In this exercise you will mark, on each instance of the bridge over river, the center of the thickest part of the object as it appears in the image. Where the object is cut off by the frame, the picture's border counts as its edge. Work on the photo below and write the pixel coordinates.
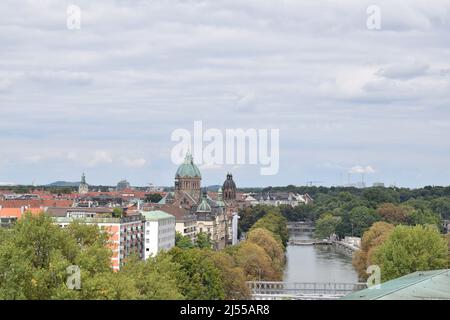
(273, 290)
(295, 227)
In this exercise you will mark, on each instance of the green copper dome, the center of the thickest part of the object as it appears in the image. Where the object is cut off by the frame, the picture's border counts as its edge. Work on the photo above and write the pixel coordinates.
(188, 169)
(204, 205)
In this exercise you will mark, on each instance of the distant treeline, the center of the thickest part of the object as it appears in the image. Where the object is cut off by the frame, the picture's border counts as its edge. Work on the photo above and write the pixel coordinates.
(351, 211)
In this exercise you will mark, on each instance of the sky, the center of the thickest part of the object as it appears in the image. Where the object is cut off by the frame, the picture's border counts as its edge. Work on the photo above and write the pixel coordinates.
(104, 99)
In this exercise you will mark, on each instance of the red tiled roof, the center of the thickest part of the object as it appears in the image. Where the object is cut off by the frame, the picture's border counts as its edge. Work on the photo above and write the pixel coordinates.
(35, 203)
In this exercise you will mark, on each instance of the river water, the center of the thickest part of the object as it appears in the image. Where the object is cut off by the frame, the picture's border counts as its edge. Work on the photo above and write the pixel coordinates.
(322, 263)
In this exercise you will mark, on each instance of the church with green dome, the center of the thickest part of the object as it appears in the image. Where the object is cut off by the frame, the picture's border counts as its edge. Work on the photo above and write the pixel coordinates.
(213, 212)
(188, 178)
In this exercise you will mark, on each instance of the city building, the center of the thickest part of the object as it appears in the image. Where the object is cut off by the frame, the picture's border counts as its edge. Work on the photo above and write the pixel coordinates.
(212, 220)
(278, 198)
(159, 232)
(126, 233)
(123, 185)
(378, 185)
(9, 216)
(83, 188)
(185, 221)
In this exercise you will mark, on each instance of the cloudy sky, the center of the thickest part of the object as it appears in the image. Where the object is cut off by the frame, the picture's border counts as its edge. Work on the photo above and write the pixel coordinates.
(105, 99)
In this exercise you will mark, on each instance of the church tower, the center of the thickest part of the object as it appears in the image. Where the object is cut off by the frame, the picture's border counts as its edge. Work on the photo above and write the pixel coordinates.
(229, 188)
(83, 188)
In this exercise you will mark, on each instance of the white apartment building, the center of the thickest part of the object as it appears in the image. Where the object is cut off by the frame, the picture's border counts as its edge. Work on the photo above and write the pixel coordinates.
(159, 232)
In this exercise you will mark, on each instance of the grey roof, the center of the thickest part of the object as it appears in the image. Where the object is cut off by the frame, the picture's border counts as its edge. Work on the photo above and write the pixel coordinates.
(420, 285)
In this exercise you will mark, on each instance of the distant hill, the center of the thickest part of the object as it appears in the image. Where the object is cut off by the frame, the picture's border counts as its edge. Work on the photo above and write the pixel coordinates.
(63, 184)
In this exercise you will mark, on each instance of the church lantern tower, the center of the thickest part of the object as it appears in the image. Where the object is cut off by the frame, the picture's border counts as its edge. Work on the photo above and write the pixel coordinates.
(83, 188)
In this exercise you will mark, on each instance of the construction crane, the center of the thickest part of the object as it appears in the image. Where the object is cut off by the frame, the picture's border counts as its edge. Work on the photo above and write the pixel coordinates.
(310, 183)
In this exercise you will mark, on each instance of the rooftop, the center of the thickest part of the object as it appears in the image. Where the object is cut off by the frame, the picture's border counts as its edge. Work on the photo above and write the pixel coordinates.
(420, 285)
(156, 215)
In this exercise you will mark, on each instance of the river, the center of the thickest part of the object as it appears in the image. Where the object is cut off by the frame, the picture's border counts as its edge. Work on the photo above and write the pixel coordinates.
(318, 263)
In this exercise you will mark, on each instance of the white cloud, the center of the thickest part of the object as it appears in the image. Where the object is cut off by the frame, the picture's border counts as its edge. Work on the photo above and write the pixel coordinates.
(60, 77)
(361, 169)
(404, 71)
(100, 157)
(134, 162)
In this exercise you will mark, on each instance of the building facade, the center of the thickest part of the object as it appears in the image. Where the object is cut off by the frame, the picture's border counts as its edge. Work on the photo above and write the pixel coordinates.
(125, 234)
(159, 232)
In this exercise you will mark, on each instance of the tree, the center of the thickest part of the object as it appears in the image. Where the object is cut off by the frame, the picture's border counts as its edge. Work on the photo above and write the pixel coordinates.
(110, 286)
(94, 256)
(410, 249)
(326, 225)
(233, 276)
(203, 241)
(256, 263)
(298, 213)
(371, 240)
(361, 218)
(153, 197)
(376, 196)
(155, 278)
(274, 248)
(199, 278)
(117, 213)
(252, 214)
(36, 253)
(275, 223)
(424, 216)
(392, 213)
(442, 207)
(183, 242)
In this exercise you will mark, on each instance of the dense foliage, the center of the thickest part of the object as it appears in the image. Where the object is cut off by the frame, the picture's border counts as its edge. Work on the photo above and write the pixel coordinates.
(400, 228)
(35, 255)
(356, 210)
(409, 249)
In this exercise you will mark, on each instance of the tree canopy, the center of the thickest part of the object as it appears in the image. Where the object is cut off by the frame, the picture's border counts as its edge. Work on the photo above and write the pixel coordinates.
(409, 249)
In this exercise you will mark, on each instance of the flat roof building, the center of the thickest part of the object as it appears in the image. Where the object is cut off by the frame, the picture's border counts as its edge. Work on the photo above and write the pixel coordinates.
(159, 232)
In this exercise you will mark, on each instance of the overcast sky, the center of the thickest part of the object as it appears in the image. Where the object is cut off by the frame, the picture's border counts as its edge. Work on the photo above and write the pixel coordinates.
(105, 99)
